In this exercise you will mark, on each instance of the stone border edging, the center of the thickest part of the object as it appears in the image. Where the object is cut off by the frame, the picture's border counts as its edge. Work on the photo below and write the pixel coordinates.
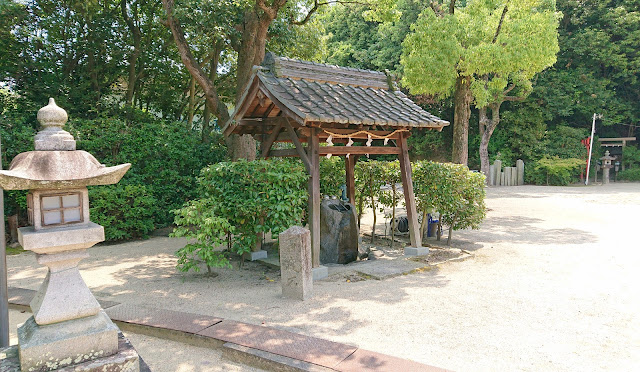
(253, 344)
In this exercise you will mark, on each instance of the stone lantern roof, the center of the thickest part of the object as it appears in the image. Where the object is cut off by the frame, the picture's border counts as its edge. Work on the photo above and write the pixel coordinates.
(56, 164)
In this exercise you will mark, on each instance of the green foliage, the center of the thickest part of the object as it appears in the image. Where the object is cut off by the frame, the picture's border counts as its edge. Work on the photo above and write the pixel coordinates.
(564, 142)
(629, 174)
(332, 175)
(555, 171)
(451, 190)
(164, 156)
(631, 156)
(205, 233)
(390, 176)
(125, 211)
(368, 181)
(443, 47)
(244, 198)
(356, 40)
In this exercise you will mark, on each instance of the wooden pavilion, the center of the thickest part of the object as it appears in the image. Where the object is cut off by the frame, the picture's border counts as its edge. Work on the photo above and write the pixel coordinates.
(307, 103)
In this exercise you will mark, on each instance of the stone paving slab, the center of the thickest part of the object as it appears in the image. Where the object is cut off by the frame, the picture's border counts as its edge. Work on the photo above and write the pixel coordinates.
(159, 318)
(384, 269)
(365, 360)
(309, 349)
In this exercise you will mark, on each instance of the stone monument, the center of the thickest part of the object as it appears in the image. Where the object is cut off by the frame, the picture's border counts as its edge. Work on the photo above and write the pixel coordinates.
(338, 232)
(68, 327)
(295, 263)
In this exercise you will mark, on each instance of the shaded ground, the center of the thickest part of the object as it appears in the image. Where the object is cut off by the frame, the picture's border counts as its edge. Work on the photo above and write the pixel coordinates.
(550, 286)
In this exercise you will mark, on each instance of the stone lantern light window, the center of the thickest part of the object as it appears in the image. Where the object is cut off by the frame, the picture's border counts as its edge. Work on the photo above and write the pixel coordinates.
(51, 208)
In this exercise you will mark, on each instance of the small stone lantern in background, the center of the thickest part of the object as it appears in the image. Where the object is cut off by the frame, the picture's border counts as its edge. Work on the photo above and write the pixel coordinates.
(68, 326)
(606, 166)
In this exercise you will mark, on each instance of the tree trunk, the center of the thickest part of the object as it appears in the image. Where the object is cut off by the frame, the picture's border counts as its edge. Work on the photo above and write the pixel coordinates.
(251, 53)
(133, 58)
(487, 126)
(393, 211)
(462, 113)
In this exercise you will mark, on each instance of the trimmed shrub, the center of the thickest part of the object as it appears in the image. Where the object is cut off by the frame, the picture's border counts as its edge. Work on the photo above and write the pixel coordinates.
(453, 191)
(125, 211)
(629, 174)
(246, 198)
(555, 171)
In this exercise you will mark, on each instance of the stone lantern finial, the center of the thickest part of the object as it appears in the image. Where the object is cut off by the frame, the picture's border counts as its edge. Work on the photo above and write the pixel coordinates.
(52, 137)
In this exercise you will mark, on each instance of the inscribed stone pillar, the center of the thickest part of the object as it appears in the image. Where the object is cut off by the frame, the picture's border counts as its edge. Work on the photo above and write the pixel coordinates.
(507, 176)
(520, 170)
(502, 179)
(498, 168)
(492, 175)
(514, 176)
(295, 263)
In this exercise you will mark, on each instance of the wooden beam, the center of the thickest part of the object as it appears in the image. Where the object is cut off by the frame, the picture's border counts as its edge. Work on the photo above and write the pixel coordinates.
(346, 132)
(284, 153)
(266, 145)
(296, 141)
(409, 197)
(285, 110)
(314, 198)
(359, 150)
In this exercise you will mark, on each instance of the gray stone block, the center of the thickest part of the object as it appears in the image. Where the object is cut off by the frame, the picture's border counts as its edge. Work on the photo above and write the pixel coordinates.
(295, 263)
(257, 255)
(413, 251)
(320, 272)
(125, 360)
(53, 346)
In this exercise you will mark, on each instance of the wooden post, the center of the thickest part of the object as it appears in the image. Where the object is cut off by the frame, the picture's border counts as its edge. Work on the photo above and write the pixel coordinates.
(409, 198)
(350, 164)
(4, 294)
(314, 196)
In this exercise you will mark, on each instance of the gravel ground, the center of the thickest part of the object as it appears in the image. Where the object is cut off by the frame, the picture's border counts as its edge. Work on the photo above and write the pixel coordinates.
(549, 287)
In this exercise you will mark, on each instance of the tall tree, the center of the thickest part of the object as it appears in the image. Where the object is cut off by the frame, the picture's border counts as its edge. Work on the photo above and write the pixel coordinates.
(481, 51)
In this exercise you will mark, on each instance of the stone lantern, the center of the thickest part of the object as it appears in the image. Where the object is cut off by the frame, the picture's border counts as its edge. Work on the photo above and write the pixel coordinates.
(606, 165)
(68, 326)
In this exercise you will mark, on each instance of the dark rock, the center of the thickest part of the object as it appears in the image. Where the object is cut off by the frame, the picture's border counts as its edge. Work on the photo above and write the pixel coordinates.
(338, 232)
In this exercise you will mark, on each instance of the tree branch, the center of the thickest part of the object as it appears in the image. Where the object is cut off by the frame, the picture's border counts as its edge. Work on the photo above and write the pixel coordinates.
(452, 6)
(504, 13)
(192, 65)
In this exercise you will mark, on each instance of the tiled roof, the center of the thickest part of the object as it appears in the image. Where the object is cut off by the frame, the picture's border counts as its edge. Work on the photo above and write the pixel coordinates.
(330, 94)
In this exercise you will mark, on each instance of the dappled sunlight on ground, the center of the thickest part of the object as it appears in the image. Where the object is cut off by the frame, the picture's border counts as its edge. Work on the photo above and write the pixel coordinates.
(550, 286)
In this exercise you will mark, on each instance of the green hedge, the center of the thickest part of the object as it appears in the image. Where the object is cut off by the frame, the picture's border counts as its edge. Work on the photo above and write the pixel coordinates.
(629, 174)
(125, 211)
(555, 171)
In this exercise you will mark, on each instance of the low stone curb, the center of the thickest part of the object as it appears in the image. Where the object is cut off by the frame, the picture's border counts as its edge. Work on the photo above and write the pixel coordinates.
(259, 346)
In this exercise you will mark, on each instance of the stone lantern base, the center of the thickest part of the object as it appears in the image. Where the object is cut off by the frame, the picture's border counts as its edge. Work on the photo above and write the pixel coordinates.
(126, 359)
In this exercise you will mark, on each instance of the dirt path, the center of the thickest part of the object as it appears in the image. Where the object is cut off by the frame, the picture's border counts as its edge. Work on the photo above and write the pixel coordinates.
(551, 286)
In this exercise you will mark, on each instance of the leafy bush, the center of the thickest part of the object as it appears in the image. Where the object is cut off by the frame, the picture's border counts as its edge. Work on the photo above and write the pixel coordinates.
(631, 156)
(555, 171)
(630, 174)
(391, 197)
(244, 198)
(166, 157)
(368, 181)
(125, 211)
(453, 191)
(332, 175)
(197, 222)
